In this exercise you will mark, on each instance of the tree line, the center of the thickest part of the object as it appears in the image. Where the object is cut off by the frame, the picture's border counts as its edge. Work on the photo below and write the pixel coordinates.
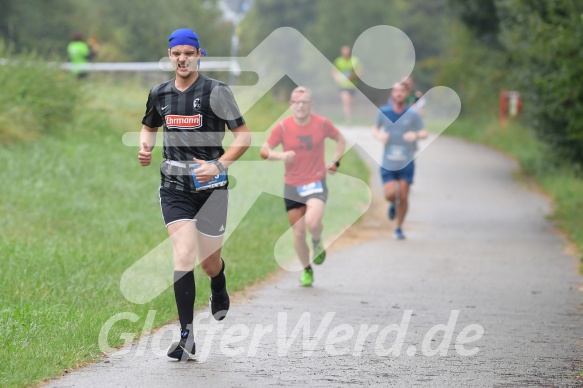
(477, 47)
(533, 46)
(126, 30)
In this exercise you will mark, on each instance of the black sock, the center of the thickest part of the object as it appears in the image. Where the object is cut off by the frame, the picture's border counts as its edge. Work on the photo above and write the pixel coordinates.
(219, 282)
(184, 292)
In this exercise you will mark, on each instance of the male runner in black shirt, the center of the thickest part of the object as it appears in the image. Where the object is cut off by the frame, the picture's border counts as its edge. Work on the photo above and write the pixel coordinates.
(193, 110)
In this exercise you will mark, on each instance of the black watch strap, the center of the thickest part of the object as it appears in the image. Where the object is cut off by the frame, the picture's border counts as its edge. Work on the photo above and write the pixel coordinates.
(219, 165)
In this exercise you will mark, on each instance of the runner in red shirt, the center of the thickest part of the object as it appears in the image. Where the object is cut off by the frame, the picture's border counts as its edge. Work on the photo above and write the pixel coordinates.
(302, 136)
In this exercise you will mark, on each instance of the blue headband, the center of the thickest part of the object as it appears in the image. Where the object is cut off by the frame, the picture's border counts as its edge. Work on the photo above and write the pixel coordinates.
(184, 36)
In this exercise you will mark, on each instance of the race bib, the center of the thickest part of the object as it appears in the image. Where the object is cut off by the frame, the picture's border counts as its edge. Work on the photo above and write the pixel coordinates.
(217, 181)
(397, 153)
(310, 188)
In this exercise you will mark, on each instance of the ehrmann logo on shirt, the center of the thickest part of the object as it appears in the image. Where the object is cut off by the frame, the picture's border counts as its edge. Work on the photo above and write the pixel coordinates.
(183, 122)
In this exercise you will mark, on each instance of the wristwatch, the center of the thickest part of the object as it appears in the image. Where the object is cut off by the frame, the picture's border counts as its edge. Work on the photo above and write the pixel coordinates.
(218, 164)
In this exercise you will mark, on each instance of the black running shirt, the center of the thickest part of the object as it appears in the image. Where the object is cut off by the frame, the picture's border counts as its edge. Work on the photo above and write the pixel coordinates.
(194, 123)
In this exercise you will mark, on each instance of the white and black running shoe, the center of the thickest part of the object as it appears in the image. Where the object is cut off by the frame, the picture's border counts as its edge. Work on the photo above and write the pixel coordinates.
(184, 349)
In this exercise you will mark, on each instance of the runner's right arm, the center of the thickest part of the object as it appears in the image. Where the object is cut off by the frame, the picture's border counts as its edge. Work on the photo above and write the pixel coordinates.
(147, 143)
(268, 153)
(417, 130)
(379, 134)
(275, 138)
(377, 129)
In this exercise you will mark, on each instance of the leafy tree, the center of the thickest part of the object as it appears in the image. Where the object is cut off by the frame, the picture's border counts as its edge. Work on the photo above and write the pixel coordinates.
(132, 31)
(481, 17)
(426, 23)
(25, 25)
(543, 40)
(268, 15)
(475, 71)
(328, 26)
(341, 25)
(529, 45)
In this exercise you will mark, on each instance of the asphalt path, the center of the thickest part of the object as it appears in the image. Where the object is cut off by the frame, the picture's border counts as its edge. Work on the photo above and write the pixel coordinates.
(482, 293)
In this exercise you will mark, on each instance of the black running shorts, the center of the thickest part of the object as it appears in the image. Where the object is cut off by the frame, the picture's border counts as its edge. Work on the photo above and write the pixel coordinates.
(207, 208)
(293, 200)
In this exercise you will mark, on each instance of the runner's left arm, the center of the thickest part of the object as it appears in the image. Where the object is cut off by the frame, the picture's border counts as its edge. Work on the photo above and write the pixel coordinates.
(242, 141)
(238, 147)
(358, 70)
(421, 131)
(340, 147)
(417, 131)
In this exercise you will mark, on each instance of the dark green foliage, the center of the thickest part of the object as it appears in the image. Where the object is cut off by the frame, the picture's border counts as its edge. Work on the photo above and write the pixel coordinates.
(268, 15)
(476, 47)
(329, 24)
(533, 46)
(481, 17)
(127, 30)
(543, 39)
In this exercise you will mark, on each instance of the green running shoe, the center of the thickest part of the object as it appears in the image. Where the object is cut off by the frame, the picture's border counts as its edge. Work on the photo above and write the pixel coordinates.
(307, 277)
(319, 253)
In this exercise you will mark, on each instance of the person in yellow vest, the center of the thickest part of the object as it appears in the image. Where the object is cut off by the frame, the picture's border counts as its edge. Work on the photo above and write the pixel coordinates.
(80, 53)
(346, 73)
(415, 97)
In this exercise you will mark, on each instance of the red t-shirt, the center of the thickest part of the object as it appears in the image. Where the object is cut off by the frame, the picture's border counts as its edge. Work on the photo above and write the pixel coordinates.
(307, 141)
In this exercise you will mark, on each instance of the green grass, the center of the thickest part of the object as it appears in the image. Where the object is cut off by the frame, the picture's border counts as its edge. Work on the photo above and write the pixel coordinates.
(78, 210)
(563, 182)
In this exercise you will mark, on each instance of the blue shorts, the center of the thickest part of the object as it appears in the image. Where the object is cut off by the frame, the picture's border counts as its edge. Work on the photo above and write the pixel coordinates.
(405, 174)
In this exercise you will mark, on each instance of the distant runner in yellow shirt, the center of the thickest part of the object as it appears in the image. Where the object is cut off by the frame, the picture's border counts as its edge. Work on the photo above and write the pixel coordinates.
(79, 53)
(348, 69)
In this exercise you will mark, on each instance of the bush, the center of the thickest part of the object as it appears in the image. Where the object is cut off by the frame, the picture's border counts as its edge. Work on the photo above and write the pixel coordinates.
(543, 39)
(35, 97)
(534, 46)
(475, 71)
